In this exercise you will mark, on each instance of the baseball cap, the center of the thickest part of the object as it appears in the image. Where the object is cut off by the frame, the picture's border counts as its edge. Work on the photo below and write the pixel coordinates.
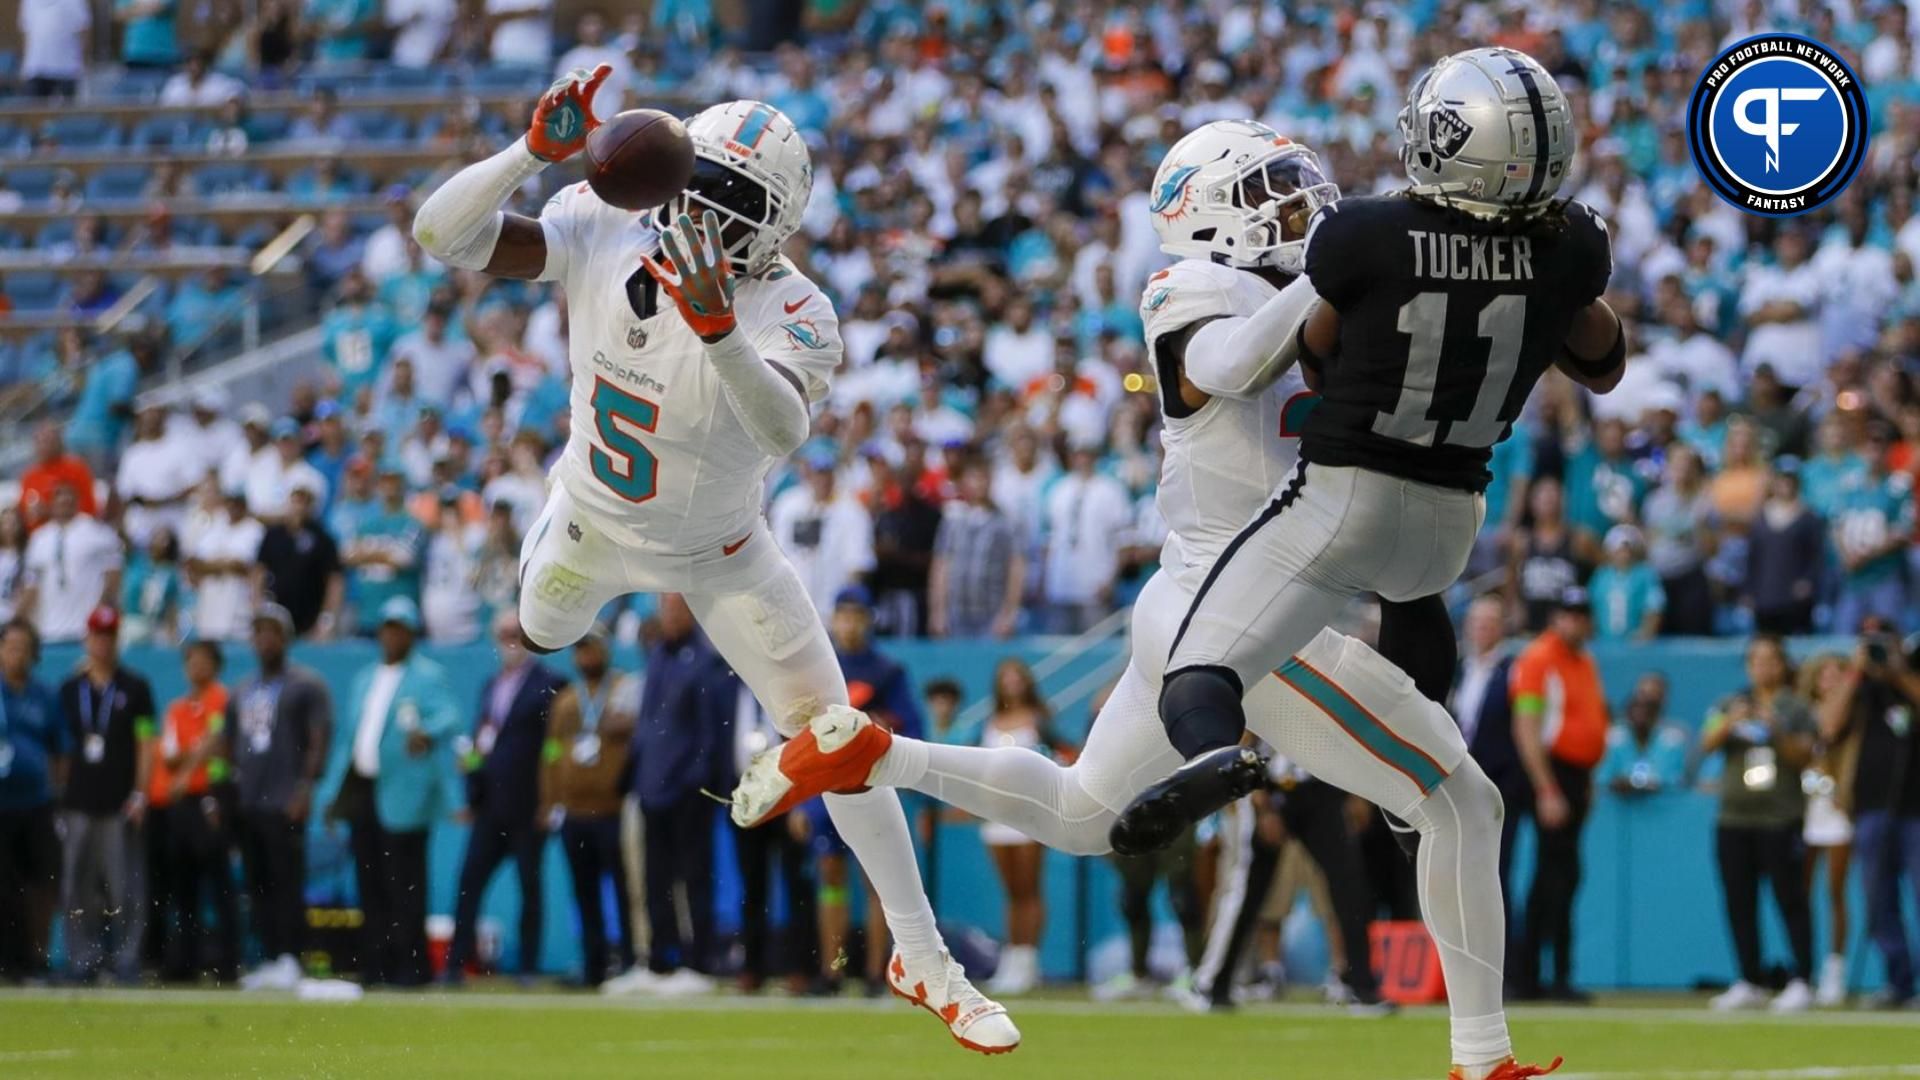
(285, 428)
(402, 610)
(1574, 599)
(326, 410)
(856, 595)
(211, 399)
(103, 620)
(275, 614)
(1622, 536)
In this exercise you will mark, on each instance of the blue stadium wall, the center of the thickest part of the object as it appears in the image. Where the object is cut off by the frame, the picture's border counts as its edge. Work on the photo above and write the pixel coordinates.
(1649, 916)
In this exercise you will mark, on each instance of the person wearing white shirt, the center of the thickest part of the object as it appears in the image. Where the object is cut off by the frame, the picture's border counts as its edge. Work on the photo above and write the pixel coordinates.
(155, 477)
(1085, 511)
(420, 30)
(1019, 478)
(1859, 287)
(1018, 350)
(386, 252)
(1693, 356)
(72, 566)
(221, 559)
(199, 85)
(255, 422)
(827, 535)
(1782, 305)
(204, 435)
(1483, 633)
(449, 595)
(522, 35)
(440, 363)
(591, 49)
(54, 33)
(277, 470)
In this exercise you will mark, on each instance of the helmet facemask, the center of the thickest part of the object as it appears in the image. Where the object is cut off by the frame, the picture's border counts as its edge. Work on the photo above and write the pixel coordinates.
(1276, 198)
(744, 205)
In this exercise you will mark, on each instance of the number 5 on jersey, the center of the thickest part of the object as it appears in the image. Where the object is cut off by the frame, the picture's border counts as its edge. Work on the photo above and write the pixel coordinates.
(626, 466)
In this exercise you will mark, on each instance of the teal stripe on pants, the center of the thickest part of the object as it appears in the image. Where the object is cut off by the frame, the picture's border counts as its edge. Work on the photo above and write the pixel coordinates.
(1370, 733)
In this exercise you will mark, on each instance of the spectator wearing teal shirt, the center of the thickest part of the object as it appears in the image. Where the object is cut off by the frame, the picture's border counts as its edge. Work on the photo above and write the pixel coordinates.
(407, 293)
(355, 502)
(1628, 599)
(1706, 432)
(355, 338)
(398, 406)
(1605, 485)
(1647, 754)
(343, 28)
(202, 304)
(106, 401)
(383, 554)
(147, 39)
(152, 591)
(1834, 468)
(1872, 526)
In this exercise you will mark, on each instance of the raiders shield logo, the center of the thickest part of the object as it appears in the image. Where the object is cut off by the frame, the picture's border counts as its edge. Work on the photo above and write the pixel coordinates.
(1447, 132)
(636, 336)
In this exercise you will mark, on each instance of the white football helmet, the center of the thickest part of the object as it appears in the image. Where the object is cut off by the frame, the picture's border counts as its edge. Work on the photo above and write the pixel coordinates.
(1487, 130)
(753, 169)
(1238, 193)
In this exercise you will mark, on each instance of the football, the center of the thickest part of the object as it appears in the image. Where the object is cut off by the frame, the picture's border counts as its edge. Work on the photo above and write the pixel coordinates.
(639, 159)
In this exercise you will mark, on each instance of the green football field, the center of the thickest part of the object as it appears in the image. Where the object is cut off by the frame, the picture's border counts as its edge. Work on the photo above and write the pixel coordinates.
(199, 1034)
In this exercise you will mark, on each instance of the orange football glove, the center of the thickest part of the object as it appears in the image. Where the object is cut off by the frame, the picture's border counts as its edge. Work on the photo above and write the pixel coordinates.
(564, 115)
(697, 274)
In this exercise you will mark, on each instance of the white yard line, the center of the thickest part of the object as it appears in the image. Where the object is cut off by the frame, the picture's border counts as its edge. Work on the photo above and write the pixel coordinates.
(13, 1057)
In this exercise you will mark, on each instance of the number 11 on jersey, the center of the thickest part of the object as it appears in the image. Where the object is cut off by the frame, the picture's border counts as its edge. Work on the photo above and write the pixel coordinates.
(1424, 319)
(626, 466)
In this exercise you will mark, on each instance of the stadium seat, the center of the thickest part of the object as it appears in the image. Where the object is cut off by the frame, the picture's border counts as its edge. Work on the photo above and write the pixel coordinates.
(214, 181)
(488, 80)
(164, 132)
(54, 233)
(82, 132)
(132, 84)
(399, 80)
(32, 290)
(118, 183)
(33, 183)
(374, 125)
(270, 126)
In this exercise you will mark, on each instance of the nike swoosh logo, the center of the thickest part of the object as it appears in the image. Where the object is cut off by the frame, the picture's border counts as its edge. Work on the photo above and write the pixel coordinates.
(728, 549)
(797, 304)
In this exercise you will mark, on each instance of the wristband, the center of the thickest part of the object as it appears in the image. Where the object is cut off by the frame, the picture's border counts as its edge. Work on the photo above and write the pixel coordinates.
(1605, 365)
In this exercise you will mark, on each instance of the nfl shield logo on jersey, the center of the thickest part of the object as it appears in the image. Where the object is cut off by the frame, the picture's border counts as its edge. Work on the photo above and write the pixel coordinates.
(636, 336)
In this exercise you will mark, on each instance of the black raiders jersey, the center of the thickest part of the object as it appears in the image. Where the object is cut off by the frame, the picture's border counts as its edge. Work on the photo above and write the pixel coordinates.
(1446, 323)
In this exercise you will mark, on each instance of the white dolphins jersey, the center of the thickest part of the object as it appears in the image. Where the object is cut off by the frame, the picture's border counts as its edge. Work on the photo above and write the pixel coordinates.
(1222, 461)
(656, 451)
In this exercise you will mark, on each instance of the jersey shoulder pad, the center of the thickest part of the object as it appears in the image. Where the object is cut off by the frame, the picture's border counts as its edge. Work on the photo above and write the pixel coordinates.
(1185, 293)
(1591, 248)
(770, 299)
(1340, 240)
(789, 318)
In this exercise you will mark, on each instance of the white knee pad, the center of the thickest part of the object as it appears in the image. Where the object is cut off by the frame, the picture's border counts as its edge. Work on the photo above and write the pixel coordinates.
(1466, 792)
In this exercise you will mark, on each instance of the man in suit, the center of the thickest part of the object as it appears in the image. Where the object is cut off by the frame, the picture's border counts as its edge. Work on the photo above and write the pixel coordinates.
(1484, 712)
(394, 781)
(502, 763)
(682, 742)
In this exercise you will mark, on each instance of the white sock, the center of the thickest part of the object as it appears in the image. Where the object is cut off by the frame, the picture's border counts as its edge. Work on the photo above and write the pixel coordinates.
(875, 830)
(1459, 883)
(1007, 785)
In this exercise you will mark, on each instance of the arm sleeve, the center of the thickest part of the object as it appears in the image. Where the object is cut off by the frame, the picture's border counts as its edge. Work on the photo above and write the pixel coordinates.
(1241, 357)
(460, 222)
(769, 407)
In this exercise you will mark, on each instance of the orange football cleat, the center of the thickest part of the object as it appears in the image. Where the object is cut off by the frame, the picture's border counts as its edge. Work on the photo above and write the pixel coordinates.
(1507, 1070)
(835, 753)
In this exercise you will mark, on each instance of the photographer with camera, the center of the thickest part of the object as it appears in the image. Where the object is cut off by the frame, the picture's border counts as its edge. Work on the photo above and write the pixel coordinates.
(1763, 735)
(1878, 700)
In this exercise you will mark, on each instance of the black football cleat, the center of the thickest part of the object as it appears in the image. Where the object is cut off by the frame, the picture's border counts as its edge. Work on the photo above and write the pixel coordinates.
(1158, 815)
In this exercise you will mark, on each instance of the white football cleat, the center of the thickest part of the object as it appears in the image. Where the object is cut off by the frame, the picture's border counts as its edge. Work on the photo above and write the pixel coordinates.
(1741, 995)
(1797, 997)
(939, 985)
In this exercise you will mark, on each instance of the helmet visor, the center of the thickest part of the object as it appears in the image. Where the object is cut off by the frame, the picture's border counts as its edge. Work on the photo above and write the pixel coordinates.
(740, 201)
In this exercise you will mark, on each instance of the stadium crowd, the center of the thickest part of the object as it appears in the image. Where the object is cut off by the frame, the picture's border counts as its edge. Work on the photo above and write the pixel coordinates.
(986, 461)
